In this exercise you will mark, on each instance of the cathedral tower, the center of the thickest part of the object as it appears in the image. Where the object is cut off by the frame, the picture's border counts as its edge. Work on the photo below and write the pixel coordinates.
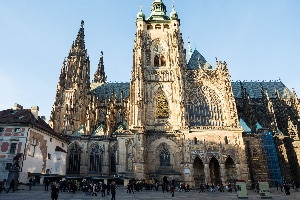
(71, 102)
(159, 61)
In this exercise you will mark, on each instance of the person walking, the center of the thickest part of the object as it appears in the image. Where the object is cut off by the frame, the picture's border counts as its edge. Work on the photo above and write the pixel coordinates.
(46, 182)
(172, 189)
(54, 192)
(287, 189)
(113, 188)
(30, 183)
(108, 189)
(11, 186)
(94, 192)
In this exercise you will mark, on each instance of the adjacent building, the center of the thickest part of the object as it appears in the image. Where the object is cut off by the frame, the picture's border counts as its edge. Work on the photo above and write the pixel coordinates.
(28, 146)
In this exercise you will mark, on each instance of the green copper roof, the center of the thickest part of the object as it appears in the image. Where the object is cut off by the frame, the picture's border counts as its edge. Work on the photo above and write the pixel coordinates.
(253, 89)
(158, 11)
(197, 59)
(106, 90)
(244, 126)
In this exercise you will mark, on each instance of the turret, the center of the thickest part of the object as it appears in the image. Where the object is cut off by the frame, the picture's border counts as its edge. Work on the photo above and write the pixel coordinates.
(100, 76)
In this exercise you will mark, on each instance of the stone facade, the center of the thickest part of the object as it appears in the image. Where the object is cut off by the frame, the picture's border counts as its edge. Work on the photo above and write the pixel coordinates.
(175, 118)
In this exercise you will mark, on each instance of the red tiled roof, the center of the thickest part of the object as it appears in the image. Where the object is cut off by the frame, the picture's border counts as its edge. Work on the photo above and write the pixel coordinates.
(25, 117)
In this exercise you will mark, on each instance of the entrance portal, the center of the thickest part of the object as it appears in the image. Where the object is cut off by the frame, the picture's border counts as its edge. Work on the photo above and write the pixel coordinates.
(198, 171)
(214, 169)
(230, 171)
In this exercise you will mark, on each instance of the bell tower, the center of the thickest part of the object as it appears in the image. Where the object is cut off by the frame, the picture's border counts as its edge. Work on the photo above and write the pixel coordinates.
(159, 61)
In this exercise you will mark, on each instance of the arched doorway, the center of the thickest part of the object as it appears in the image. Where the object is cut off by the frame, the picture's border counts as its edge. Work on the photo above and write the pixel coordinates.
(230, 171)
(198, 167)
(214, 169)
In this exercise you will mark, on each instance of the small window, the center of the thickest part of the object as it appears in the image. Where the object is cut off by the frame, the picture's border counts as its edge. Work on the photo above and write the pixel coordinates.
(50, 139)
(49, 156)
(149, 27)
(13, 147)
(157, 26)
(195, 140)
(226, 140)
(62, 145)
(1, 129)
(156, 61)
(17, 130)
(166, 26)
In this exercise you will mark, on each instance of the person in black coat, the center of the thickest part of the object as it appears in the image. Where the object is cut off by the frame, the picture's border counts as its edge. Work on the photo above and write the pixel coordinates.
(11, 186)
(113, 188)
(287, 189)
(54, 192)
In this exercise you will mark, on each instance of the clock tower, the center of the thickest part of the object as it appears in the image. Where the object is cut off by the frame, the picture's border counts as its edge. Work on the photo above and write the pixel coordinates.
(156, 89)
(159, 60)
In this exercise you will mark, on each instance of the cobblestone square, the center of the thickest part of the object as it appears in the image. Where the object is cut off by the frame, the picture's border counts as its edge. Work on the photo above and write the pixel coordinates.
(38, 193)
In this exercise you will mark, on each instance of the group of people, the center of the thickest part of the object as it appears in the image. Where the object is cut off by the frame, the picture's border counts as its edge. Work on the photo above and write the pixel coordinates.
(220, 187)
(283, 187)
(89, 187)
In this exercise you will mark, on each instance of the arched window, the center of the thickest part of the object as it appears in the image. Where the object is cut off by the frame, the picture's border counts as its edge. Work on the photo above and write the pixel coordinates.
(195, 140)
(164, 156)
(95, 158)
(113, 163)
(74, 159)
(149, 27)
(162, 61)
(156, 60)
(226, 140)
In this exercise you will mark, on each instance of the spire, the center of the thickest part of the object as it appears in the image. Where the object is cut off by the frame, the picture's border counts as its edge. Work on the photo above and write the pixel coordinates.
(190, 49)
(72, 88)
(173, 14)
(158, 11)
(79, 42)
(140, 15)
(99, 76)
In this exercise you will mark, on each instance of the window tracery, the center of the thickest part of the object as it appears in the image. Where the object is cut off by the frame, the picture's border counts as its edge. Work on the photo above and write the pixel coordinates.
(162, 107)
(164, 156)
(96, 155)
(75, 158)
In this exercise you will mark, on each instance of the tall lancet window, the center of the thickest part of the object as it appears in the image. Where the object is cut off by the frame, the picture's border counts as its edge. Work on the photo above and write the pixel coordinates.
(96, 155)
(162, 60)
(162, 106)
(156, 60)
(164, 156)
(75, 158)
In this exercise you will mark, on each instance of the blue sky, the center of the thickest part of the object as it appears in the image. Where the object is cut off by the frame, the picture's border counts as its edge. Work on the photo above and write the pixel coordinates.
(259, 40)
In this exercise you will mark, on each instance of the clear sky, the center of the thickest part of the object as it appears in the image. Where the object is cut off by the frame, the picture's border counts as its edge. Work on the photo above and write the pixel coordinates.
(259, 40)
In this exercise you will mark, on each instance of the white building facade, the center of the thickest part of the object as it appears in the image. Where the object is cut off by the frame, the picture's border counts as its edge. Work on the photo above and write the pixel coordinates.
(28, 146)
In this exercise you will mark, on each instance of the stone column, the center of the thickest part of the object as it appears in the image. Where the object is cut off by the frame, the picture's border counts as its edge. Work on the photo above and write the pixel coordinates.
(106, 158)
(222, 172)
(139, 165)
(84, 159)
(122, 155)
(207, 173)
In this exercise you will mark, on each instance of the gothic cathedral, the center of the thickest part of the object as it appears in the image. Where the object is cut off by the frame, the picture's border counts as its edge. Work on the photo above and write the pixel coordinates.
(178, 117)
